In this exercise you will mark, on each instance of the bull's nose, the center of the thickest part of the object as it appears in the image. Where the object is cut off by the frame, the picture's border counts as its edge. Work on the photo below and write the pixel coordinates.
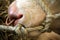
(13, 12)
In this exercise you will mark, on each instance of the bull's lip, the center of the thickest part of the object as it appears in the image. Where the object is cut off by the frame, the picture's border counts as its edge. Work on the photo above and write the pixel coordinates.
(15, 22)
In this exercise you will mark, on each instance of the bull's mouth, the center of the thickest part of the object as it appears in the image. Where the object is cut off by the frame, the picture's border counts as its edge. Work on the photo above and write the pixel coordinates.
(12, 21)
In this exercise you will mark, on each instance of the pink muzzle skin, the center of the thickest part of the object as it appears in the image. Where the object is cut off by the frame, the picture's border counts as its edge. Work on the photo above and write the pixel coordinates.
(13, 13)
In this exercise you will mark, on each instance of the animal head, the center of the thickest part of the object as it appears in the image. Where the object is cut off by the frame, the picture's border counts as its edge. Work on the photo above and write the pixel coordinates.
(27, 12)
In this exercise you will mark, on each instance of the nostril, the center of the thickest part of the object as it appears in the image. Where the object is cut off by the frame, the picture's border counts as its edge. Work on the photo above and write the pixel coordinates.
(16, 16)
(19, 16)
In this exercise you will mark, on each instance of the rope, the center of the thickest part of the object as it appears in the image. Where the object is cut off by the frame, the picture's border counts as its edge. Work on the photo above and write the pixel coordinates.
(49, 15)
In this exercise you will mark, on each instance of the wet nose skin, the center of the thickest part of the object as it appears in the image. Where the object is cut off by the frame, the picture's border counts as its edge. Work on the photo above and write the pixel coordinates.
(13, 12)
